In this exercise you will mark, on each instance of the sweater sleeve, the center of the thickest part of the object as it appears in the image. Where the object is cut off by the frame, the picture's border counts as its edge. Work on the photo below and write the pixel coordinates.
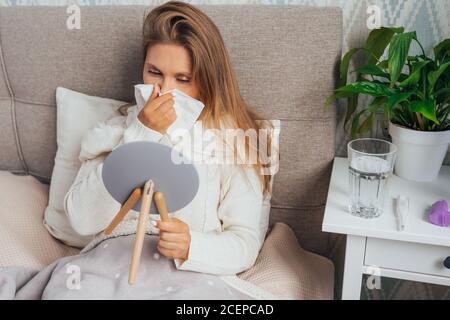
(88, 205)
(236, 247)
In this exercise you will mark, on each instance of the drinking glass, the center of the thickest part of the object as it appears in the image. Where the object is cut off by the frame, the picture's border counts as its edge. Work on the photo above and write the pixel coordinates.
(370, 162)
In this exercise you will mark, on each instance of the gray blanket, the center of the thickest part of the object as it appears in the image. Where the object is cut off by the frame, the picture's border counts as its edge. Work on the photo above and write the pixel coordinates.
(101, 272)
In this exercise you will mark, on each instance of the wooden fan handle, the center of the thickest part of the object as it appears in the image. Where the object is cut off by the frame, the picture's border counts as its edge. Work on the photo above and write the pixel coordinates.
(161, 205)
(140, 231)
(127, 206)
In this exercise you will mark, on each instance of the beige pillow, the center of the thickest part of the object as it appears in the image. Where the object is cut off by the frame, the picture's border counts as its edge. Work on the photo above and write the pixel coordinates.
(24, 241)
(288, 271)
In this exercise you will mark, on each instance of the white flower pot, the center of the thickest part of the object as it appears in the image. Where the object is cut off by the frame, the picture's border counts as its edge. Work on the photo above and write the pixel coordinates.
(420, 153)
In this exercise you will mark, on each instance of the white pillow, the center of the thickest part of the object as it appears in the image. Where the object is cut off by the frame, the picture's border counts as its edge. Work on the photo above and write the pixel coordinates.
(76, 113)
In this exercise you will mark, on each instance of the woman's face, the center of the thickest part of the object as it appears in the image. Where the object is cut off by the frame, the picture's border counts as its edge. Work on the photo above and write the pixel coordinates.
(170, 66)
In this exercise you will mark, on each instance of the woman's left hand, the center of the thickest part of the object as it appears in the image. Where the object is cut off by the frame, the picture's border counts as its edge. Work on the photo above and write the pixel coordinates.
(174, 239)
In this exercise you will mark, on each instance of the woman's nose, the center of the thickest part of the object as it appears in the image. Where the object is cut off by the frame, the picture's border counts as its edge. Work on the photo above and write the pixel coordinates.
(166, 86)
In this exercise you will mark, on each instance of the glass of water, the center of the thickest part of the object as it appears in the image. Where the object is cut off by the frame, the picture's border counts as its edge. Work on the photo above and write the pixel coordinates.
(370, 162)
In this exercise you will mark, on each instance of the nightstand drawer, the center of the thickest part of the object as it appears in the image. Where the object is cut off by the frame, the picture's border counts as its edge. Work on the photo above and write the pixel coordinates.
(407, 256)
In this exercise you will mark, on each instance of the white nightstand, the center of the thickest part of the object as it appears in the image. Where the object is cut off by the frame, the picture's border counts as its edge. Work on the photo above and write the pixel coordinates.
(416, 254)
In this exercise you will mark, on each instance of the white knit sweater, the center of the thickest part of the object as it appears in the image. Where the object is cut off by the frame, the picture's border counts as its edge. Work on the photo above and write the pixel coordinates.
(228, 217)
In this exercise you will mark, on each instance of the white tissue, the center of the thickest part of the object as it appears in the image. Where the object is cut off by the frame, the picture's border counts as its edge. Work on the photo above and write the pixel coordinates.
(187, 108)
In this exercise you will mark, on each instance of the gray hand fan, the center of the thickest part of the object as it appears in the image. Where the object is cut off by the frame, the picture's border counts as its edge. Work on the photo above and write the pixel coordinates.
(130, 165)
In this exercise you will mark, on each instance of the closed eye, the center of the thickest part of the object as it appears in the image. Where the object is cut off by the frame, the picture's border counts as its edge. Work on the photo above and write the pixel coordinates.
(153, 72)
(157, 74)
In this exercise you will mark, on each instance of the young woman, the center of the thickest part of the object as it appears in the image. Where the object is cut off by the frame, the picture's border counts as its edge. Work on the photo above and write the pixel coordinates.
(222, 230)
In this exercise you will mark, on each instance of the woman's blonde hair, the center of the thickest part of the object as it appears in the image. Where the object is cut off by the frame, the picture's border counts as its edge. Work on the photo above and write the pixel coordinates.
(183, 24)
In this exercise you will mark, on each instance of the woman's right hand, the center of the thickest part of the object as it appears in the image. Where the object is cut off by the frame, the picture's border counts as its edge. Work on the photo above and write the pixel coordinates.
(158, 113)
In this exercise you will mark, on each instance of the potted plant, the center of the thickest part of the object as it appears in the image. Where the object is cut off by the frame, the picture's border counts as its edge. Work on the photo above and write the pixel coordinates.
(412, 92)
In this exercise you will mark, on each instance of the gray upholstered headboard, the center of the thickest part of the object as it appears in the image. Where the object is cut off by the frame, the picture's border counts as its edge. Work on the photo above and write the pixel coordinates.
(284, 56)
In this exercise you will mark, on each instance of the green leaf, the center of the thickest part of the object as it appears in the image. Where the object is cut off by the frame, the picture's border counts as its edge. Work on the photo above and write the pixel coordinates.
(328, 102)
(337, 95)
(395, 99)
(366, 87)
(398, 52)
(412, 58)
(377, 41)
(397, 29)
(445, 91)
(426, 108)
(366, 124)
(372, 109)
(441, 50)
(343, 68)
(399, 117)
(355, 123)
(414, 77)
(352, 104)
(444, 116)
(383, 64)
(402, 77)
(372, 69)
(433, 76)
(376, 104)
